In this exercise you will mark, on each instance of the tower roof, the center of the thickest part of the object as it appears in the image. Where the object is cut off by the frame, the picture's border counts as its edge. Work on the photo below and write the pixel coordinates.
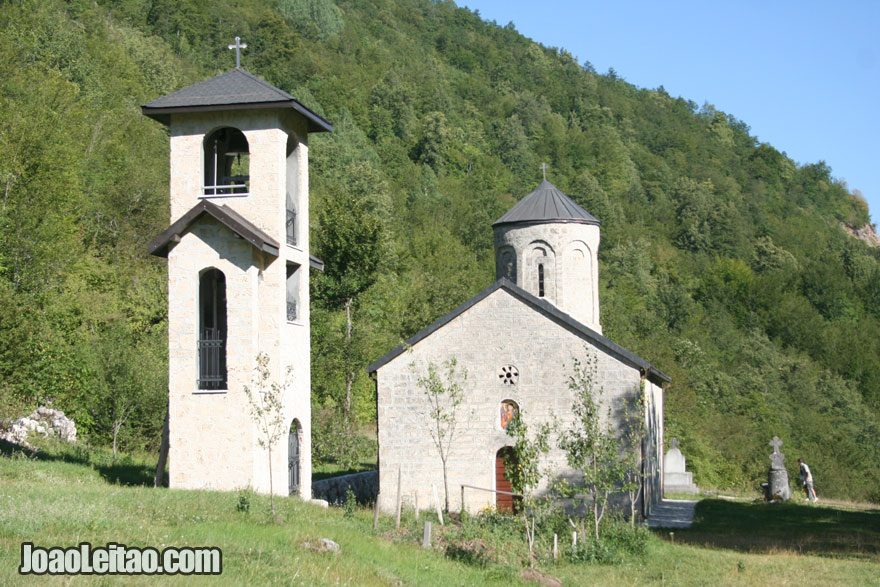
(546, 204)
(237, 89)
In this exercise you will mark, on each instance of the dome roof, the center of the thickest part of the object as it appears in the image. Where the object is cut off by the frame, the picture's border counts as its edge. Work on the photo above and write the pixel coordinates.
(546, 204)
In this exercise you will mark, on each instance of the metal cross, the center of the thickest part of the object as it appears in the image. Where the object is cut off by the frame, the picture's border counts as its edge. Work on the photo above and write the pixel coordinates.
(544, 169)
(673, 443)
(238, 47)
(775, 443)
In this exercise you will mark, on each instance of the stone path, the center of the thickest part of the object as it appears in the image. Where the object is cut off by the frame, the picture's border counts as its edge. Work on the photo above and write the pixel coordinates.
(673, 513)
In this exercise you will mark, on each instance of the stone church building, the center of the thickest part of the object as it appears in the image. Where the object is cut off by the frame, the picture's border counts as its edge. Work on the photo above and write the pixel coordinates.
(516, 340)
(238, 279)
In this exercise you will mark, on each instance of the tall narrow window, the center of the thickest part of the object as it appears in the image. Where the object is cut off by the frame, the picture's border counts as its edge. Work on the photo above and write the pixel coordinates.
(293, 309)
(291, 220)
(212, 330)
(226, 163)
(540, 280)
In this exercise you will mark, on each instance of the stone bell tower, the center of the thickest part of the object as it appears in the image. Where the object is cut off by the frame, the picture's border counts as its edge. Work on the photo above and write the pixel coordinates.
(238, 278)
(548, 245)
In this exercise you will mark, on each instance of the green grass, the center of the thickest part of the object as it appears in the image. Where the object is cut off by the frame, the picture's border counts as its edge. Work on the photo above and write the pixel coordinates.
(53, 501)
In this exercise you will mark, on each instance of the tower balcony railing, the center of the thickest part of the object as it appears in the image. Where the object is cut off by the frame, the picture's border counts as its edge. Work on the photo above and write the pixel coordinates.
(235, 185)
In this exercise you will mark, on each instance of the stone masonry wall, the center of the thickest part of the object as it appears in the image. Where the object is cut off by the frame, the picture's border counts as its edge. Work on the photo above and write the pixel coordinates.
(571, 268)
(213, 442)
(496, 332)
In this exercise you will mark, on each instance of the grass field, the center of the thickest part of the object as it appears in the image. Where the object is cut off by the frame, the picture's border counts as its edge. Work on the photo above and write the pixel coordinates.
(71, 497)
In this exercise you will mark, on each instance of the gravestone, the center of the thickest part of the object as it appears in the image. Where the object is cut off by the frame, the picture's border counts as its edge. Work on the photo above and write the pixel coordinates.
(675, 478)
(777, 478)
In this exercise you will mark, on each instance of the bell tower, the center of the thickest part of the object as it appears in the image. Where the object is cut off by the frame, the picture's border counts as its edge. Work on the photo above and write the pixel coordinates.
(548, 245)
(238, 278)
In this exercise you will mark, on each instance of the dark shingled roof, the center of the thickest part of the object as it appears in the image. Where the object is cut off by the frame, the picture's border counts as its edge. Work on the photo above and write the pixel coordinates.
(223, 214)
(238, 89)
(546, 204)
(546, 308)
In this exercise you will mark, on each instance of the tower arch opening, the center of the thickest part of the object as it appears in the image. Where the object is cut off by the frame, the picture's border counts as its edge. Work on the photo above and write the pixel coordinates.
(226, 163)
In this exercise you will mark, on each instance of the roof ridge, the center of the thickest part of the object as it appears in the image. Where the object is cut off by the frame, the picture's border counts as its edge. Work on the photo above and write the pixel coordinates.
(263, 82)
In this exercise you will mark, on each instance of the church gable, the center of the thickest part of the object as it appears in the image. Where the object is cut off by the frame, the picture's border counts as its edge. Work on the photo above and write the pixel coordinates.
(521, 307)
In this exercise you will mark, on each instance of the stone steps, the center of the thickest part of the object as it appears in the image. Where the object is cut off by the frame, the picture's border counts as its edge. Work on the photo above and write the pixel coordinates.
(673, 513)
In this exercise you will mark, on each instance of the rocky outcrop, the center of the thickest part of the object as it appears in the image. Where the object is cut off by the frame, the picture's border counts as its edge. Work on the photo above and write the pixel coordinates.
(867, 233)
(44, 421)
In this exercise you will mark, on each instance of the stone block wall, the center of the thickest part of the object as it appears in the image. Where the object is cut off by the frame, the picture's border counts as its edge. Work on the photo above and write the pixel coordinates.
(569, 254)
(497, 332)
(213, 441)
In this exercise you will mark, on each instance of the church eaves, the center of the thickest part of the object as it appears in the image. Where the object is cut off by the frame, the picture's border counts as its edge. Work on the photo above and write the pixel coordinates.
(602, 343)
(237, 89)
(546, 204)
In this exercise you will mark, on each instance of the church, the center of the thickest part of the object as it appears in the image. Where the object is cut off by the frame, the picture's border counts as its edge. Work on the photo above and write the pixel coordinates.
(516, 341)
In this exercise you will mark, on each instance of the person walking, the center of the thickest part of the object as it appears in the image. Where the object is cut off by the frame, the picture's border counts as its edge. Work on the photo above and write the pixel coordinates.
(807, 481)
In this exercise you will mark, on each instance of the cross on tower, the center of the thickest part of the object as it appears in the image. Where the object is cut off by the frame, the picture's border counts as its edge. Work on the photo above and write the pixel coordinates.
(544, 169)
(775, 443)
(238, 47)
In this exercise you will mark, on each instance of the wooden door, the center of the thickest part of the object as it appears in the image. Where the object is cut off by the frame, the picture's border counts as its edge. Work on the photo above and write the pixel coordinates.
(503, 503)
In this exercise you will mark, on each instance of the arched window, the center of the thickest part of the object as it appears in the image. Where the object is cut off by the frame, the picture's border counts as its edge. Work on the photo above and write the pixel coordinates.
(540, 280)
(227, 163)
(212, 330)
(294, 438)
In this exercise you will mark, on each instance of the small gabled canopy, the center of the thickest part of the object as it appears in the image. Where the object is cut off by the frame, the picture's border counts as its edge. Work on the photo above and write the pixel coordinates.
(540, 305)
(238, 89)
(546, 204)
(223, 214)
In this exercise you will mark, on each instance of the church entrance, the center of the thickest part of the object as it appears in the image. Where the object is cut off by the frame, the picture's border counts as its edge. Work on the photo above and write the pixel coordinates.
(293, 458)
(506, 504)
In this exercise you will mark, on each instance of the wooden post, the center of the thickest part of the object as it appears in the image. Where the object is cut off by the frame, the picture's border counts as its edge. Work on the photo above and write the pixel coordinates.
(574, 540)
(376, 512)
(555, 547)
(426, 538)
(462, 503)
(437, 504)
(397, 514)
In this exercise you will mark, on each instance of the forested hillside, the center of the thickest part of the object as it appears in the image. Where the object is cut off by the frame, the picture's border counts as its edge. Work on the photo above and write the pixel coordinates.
(723, 262)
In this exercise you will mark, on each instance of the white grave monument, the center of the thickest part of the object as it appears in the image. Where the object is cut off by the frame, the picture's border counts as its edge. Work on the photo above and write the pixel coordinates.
(675, 478)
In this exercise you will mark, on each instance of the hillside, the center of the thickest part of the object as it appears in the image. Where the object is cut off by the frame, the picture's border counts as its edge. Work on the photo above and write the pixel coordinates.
(723, 262)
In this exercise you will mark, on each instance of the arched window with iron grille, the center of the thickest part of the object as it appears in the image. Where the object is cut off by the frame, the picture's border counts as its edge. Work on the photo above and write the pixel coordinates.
(212, 330)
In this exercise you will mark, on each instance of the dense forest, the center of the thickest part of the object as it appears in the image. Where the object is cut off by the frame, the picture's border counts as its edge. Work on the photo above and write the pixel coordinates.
(723, 261)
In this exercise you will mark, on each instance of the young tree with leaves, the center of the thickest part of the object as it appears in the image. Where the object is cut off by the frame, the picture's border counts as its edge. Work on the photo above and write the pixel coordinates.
(589, 444)
(634, 431)
(445, 395)
(522, 468)
(267, 410)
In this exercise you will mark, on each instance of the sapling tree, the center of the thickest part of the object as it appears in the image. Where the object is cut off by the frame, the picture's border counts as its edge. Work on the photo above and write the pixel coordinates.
(265, 397)
(445, 394)
(522, 469)
(589, 444)
(634, 431)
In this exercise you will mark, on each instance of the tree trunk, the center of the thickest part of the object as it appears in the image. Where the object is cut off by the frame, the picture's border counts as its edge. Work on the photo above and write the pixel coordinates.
(159, 479)
(271, 491)
(116, 426)
(445, 486)
(349, 372)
